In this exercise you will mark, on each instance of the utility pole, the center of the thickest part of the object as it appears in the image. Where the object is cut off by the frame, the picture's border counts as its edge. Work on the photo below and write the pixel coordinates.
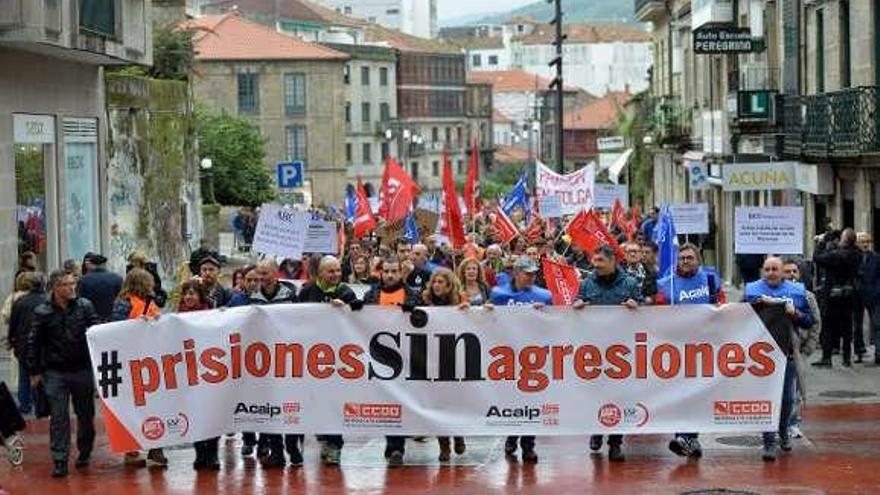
(557, 82)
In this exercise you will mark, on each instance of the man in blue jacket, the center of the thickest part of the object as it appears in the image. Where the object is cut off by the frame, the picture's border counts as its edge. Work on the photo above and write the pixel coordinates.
(608, 285)
(690, 284)
(771, 289)
(520, 291)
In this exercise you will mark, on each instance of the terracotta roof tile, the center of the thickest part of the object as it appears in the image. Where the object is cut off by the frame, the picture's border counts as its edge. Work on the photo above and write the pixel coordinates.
(544, 34)
(230, 37)
(597, 114)
(500, 117)
(506, 155)
(509, 81)
(393, 38)
(478, 42)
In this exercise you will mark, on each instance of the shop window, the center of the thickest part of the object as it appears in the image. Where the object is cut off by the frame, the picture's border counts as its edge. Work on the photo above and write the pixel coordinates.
(79, 188)
(34, 155)
(98, 17)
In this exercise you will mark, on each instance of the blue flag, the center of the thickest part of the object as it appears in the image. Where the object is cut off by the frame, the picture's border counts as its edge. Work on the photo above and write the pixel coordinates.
(411, 233)
(518, 196)
(350, 204)
(664, 236)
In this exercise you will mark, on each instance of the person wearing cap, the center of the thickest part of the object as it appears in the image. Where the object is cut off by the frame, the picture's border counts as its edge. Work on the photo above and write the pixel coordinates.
(608, 285)
(209, 276)
(521, 290)
(98, 285)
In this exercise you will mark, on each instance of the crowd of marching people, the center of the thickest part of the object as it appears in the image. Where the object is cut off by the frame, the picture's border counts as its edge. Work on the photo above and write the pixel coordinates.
(624, 260)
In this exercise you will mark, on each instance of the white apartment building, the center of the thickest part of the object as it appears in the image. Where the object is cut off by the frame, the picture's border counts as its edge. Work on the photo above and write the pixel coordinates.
(414, 17)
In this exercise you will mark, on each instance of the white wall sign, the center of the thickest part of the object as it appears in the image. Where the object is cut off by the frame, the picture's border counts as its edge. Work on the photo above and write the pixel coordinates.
(28, 128)
(281, 232)
(612, 143)
(607, 193)
(690, 218)
(758, 176)
(775, 229)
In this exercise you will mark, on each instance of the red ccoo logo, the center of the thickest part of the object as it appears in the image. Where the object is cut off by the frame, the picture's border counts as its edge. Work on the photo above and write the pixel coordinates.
(610, 415)
(153, 428)
(730, 408)
(372, 411)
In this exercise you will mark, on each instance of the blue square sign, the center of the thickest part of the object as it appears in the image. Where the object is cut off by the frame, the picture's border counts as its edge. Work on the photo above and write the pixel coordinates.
(290, 174)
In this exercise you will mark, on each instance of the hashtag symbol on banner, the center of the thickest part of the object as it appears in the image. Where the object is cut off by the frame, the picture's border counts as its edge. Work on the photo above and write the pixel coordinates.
(109, 374)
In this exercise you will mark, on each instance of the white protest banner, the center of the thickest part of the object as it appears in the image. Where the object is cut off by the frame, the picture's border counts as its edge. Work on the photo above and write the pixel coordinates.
(550, 206)
(322, 237)
(575, 189)
(774, 229)
(281, 232)
(605, 194)
(690, 218)
(312, 368)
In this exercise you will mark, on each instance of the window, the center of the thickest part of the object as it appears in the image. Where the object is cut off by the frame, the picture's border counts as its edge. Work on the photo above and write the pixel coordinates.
(346, 74)
(386, 151)
(458, 131)
(348, 112)
(383, 76)
(79, 177)
(392, 11)
(98, 16)
(346, 10)
(367, 153)
(248, 93)
(347, 152)
(448, 135)
(843, 14)
(295, 94)
(414, 171)
(34, 155)
(435, 168)
(365, 76)
(493, 59)
(384, 112)
(296, 142)
(365, 112)
(820, 51)
(435, 135)
(476, 60)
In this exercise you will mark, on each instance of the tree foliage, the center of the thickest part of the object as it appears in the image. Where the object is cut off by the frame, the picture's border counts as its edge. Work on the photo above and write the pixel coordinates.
(173, 53)
(501, 181)
(237, 151)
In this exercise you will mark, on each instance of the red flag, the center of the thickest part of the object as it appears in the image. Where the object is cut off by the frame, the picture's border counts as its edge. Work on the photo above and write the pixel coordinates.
(364, 222)
(472, 184)
(341, 238)
(398, 191)
(618, 215)
(588, 232)
(505, 230)
(562, 281)
(535, 228)
(454, 221)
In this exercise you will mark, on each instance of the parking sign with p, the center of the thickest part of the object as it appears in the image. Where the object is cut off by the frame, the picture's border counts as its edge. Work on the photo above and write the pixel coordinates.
(290, 174)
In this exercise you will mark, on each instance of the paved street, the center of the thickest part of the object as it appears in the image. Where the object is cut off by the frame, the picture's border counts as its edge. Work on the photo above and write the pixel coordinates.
(840, 455)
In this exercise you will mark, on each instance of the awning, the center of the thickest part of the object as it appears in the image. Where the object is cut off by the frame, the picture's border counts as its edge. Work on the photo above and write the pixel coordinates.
(692, 156)
(617, 167)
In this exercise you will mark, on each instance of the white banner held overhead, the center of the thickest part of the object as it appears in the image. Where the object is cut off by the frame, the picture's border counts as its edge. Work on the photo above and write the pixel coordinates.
(281, 232)
(605, 194)
(322, 238)
(769, 230)
(575, 189)
(311, 368)
(550, 206)
(690, 218)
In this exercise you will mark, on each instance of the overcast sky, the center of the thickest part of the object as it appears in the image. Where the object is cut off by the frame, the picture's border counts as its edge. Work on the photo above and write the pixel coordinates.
(455, 8)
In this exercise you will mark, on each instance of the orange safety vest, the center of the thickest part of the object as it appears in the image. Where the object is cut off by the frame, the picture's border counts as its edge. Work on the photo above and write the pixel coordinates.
(140, 308)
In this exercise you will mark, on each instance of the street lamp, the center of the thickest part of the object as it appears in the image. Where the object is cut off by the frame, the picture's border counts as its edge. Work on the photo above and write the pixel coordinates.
(206, 165)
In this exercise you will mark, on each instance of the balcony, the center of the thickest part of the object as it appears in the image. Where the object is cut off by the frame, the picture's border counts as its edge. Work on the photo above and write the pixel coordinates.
(839, 124)
(649, 10)
(671, 121)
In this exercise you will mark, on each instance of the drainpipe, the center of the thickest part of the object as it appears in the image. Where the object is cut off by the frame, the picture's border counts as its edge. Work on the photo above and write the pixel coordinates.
(668, 5)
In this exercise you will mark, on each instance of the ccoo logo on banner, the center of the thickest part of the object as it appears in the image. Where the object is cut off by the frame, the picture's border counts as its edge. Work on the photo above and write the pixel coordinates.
(309, 368)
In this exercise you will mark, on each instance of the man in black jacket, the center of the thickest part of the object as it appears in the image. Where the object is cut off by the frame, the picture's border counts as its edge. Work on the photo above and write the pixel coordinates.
(840, 262)
(57, 354)
(20, 320)
(98, 285)
(328, 288)
(392, 292)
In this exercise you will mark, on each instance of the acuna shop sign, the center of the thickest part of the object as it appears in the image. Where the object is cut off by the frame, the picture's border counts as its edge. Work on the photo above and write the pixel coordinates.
(758, 176)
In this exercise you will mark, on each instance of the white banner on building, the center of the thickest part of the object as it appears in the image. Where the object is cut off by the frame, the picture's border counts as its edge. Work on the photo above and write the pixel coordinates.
(312, 368)
(766, 176)
(281, 232)
(605, 194)
(690, 218)
(769, 230)
(575, 189)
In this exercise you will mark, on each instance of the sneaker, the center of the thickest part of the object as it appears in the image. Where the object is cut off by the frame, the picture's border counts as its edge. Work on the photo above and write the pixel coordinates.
(596, 443)
(60, 469)
(247, 450)
(83, 459)
(529, 456)
(395, 459)
(330, 455)
(768, 453)
(156, 458)
(274, 460)
(510, 446)
(785, 443)
(679, 446)
(444, 450)
(459, 446)
(615, 453)
(794, 431)
(695, 448)
(296, 457)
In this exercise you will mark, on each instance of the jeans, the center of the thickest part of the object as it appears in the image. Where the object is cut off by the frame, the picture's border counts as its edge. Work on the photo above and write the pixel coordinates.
(24, 390)
(837, 324)
(858, 324)
(60, 388)
(789, 392)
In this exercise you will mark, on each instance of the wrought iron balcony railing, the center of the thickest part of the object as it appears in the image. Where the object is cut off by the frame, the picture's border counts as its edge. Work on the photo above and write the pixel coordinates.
(671, 120)
(839, 124)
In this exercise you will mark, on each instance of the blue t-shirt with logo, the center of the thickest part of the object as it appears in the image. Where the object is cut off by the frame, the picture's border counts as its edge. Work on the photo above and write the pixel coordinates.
(506, 295)
(792, 292)
(689, 290)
